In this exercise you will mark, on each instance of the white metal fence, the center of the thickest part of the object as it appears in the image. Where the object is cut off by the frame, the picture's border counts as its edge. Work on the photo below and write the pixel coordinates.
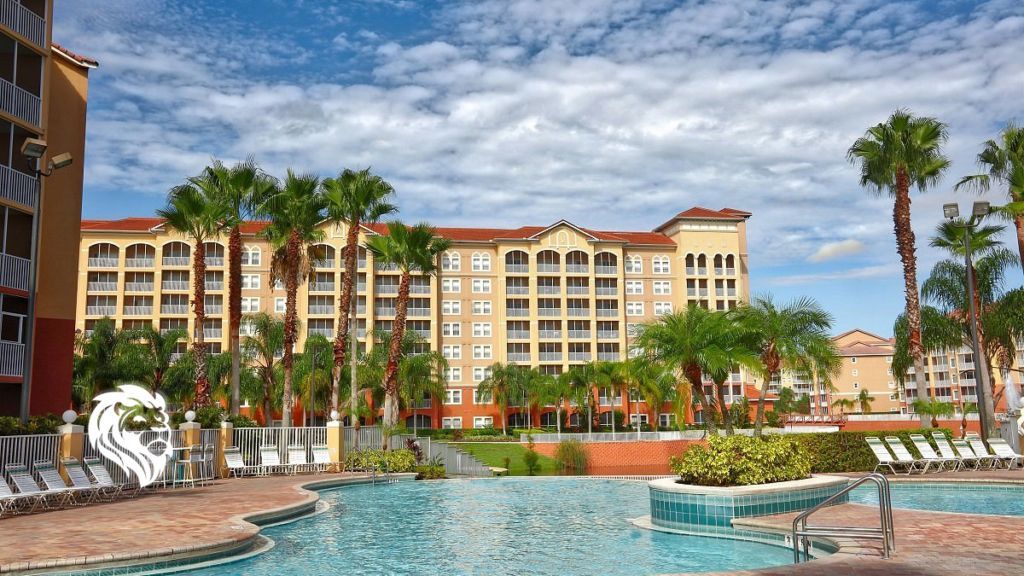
(550, 438)
(119, 476)
(249, 440)
(14, 271)
(23, 21)
(19, 102)
(28, 448)
(17, 186)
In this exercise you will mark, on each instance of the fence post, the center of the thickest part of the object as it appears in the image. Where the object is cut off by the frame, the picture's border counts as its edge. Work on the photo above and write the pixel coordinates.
(72, 445)
(191, 435)
(227, 440)
(336, 444)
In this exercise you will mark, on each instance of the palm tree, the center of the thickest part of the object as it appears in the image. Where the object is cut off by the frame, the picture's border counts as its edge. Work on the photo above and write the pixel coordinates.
(581, 386)
(197, 211)
(313, 375)
(934, 408)
(151, 351)
(295, 210)
(262, 348)
(504, 386)
(97, 366)
(843, 404)
(657, 389)
(1004, 162)
(422, 376)
(794, 336)
(408, 248)
(353, 198)
(904, 151)
(554, 390)
(864, 400)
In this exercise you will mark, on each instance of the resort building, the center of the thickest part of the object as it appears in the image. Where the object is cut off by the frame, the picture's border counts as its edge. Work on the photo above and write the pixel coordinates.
(43, 94)
(545, 296)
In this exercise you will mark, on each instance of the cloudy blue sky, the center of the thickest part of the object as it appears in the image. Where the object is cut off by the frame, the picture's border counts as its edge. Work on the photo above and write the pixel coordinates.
(610, 113)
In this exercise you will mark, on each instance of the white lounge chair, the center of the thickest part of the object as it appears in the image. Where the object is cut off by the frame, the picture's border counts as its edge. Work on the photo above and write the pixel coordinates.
(321, 457)
(103, 479)
(297, 458)
(55, 483)
(968, 455)
(236, 464)
(899, 449)
(270, 460)
(81, 481)
(10, 503)
(928, 453)
(982, 451)
(29, 489)
(886, 459)
(1005, 452)
(946, 450)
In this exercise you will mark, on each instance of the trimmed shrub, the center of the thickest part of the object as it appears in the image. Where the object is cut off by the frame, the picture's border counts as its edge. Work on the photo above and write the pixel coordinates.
(48, 424)
(742, 460)
(849, 452)
(383, 460)
(572, 457)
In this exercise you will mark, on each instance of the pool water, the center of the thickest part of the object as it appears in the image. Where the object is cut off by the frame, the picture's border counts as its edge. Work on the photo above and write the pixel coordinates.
(557, 526)
(1004, 499)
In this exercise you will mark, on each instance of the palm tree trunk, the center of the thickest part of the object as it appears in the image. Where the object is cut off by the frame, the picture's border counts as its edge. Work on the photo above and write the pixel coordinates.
(1018, 223)
(235, 313)
(693, 374)
(726, 417)
(348, 281)
(504, 420)
(558, 419)
(267, 408)
(395, 352)
(291, 284)
(202, 395)
(905, 245)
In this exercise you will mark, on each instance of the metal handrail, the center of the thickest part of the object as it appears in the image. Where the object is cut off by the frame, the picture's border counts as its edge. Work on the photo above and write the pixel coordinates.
(801, 531)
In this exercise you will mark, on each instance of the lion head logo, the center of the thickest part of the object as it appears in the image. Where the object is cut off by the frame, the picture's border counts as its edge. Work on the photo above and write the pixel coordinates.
(140, 453)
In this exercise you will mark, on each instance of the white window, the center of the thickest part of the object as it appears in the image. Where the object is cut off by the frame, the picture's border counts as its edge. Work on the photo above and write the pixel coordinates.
(250, 281)
(452, 352)
(482, 285)
(481, 262)
(892, 396)
(478, 398)
(481, 307)
(634, 264)
(483, 421)
(482, 352)
(481, 329)
(889, 371)
(632, 330)
(450, 423)
(451, 262)
(480, 374)
(853, 360)
(634, 308)
(660, 265)
(451, 307)
(662, 308)
(250, 304)
(246, 328)
(453, 396)
(454, 374)
(451, 285)
(278, 285)
(662, 287)
(643, 418)
(888, 359)
(634, 287)
(251, 256)
(856, 385)
(279, 305)
(666, 420)
(855, 372)
(451, 329)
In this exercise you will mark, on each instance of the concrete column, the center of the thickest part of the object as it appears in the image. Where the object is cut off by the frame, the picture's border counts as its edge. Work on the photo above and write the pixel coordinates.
(336, 444)
(227, 440)
(72, 445)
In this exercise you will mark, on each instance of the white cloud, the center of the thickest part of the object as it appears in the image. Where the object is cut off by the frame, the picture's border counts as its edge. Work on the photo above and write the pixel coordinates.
(835, 250)
(839, 275)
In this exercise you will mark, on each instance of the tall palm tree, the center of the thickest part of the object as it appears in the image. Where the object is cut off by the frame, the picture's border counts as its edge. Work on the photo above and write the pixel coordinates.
(657, 389)
(353, 198)
(422, 376)
(843, 404)
(864, 400)
(295, 209)
(97, 363)
(905, 151)
(408, 248)
(554, 391)
(313, 376)
(262, 348)
(581, 385)
(152, 351)
(794, 336)
(1003, 161)
(504, 385)
(197, 211)
(609, 375)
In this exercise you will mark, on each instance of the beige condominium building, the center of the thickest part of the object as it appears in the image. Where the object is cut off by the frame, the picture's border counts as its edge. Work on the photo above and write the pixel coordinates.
(546, 296)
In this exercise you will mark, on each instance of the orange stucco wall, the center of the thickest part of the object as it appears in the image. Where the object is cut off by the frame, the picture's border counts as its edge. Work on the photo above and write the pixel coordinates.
(627, 457)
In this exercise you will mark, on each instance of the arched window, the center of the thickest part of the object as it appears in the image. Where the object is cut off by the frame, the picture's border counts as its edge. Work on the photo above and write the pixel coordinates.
(103, 255)
(730, 265)
(660, 265)
(176, 254)
(451, 262)
(481, 262)
(634, 264)
(251, 255)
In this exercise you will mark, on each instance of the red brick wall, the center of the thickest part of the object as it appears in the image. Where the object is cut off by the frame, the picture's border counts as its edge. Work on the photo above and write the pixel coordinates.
(627, 457)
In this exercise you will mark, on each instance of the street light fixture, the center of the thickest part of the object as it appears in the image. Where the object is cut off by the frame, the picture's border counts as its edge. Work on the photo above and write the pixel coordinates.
(34, 149)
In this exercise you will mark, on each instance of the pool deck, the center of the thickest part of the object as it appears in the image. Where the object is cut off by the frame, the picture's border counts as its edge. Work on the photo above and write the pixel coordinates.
(209, 519)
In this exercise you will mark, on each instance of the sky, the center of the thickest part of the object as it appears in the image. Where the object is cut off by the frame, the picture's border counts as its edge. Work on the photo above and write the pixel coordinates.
(612, 114)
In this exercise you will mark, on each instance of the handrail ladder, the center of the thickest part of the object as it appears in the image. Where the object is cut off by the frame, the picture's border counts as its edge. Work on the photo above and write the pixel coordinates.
(802, 532)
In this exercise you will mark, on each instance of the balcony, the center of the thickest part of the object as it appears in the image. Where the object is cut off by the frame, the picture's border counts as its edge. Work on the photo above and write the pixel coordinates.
(517, 290)
(517, 312)
(607, 334)
(175, 356)
(579, 333)
(608, 312)
(361, 264)
(418, 312)
(599, 269)
(579, 311)
(138, 310)
(12, 359)
(550, 356)
(361, 333)
(214, 286)
(380, 311)
(517, 268)
(577, 268)
(577, 290)
(20, 103)
(321, 287)
(101, 310)
(14, 271)
(517, 334)
(608, 356)
(386, 289)
(579, 356)
(213, 333)
(17, 187)
(548, 334)
(24, 22)
(419, 289)
(421, 333)
(548, 289)
(214, 309)
(549, 311)
(360, 308)
(138, 286)
(325, 263)
(172, 261)
(607, 291)
(174, 308)
(969, 398)
(103, 262)
(325, 332)
(548, 267)
(101, 287)
(360, 286)
(386, 267)
(174, 285)
(138, 262)
(518, 357)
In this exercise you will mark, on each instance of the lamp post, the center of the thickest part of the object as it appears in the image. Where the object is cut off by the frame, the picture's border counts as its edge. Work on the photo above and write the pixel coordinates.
(986, 409)
(33, 149)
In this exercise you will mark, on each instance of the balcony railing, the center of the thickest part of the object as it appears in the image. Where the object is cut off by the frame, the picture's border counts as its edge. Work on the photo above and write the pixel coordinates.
(174, 308)
(548, 289)
(325, 332)
(421, 333)
(12, 359)
(138, 262)
(579, 356)
(419, 289)
(18, 102)
(386, 267)
(361, 333)
(16, 186)
(215, 285)
(609, 356)
(579, 333)
(550, 333)
(361, 264)
(103, 262)
(549, 311)
(321, 308)
(517, 268)
(604, 269)
(517, 289)
(138, 310)
(577, 289)
(101, 310)
(607, 334)
(518, 357)
(969, 397)
(101, 287)
(577, 268)
(384, 311)
(548, 267)
(550, 356)
(606, 312)
(324, 263)
(579, 311)
(139, 286)
(214, 308)
(215, 261)
(14, 271)
(24, 22)
(517, 312)
(386, 289)
(518, 334)
(418, 312)
(213, 333)
(607, 291)
(360, 286)
(360, 308)
(321, 287)
(175, 261)
(174, 285)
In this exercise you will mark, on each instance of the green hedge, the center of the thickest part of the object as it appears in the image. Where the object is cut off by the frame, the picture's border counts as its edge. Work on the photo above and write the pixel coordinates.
(849, 452)
(742, 461)
(383, 460)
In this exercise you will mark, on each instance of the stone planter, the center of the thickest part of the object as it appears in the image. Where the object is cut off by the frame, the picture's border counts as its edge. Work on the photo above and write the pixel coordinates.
(690, 508)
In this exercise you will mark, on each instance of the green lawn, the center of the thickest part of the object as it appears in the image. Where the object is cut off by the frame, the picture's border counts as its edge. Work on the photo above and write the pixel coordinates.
(495, 454)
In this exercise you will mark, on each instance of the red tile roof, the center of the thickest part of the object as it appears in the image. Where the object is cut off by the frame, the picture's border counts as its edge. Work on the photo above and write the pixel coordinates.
(122, 225)
(77, 58)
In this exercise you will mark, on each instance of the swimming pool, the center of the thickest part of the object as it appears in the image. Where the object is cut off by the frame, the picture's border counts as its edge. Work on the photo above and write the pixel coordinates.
(1004, 499)
(560, 526)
